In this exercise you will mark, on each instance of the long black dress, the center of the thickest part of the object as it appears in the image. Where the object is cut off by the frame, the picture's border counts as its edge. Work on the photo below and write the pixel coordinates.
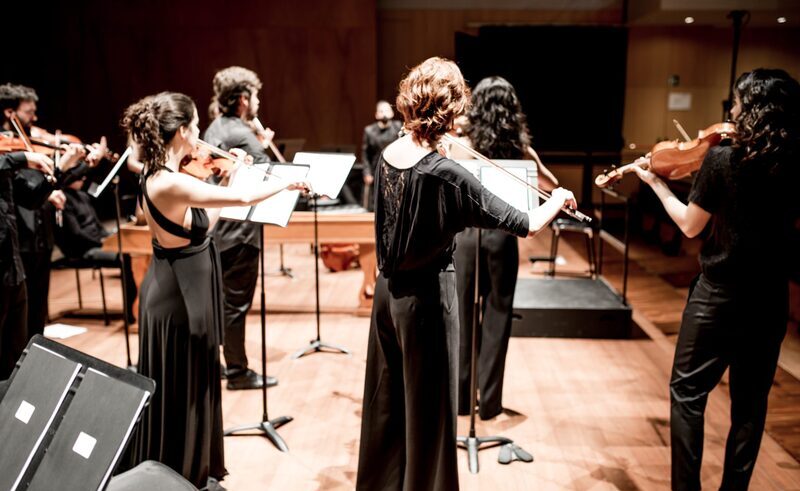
(180, 331)
(408, 425)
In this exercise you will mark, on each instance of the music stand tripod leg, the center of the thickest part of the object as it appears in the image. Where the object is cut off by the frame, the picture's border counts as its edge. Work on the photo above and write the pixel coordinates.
(317, 345)
(473, 443)
(267, 427)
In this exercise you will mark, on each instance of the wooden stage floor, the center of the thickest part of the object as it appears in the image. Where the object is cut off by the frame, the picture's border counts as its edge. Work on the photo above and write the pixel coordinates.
(594, 413)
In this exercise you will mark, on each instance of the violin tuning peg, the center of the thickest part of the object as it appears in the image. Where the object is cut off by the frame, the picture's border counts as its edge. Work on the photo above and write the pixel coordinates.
(613, 166)
(605, 171)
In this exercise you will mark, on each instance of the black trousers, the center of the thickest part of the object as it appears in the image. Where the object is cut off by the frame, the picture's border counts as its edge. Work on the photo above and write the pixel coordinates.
(724, 326)
(13, 326)
(498, 279)
(239, 275)
(37, 279)
(408, 423)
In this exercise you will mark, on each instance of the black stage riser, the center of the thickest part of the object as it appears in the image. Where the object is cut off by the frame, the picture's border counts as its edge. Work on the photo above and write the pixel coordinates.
(569, 308)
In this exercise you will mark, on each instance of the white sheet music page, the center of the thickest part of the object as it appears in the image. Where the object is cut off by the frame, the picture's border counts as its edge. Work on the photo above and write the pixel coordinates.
(328, 171)
(278, 209)
(506, 187)
(246, 178)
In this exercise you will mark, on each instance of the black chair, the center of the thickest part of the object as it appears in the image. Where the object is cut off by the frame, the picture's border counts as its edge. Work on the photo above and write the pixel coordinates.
(561, 225)
(78, 264)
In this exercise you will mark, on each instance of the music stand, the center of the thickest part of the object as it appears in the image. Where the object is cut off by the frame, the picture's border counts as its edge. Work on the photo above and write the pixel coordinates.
(523, 199)
(95, 191)
(274, 210)
(327, 176)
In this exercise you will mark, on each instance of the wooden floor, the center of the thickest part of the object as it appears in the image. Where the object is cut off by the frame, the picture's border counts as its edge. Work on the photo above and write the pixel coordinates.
(594, 413)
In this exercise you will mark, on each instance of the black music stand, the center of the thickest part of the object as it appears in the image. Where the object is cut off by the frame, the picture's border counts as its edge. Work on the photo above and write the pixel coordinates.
(473, 443)
(268, 427)
(317, 345)
(275, 210)
(327, 175)
(95, 191)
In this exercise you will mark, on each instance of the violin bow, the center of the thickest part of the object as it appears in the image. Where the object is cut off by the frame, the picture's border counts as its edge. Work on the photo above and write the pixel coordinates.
(271, 144)
(22, 135)
(544, 194)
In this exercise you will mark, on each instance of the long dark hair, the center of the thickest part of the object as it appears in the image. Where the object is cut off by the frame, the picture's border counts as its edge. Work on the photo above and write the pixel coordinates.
(152, 123)
(497, 125)
(768, 128)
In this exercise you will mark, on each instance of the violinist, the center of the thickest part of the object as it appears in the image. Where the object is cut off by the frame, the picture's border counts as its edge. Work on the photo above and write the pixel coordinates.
(236, 96)
(736, 313)
(13, 291)
(496, 127)
(36, 219)
(181, 309)
(423, 200)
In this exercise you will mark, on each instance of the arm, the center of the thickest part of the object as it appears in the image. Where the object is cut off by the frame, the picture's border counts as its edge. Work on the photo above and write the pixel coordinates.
(539, 217)
(691, 218)
(547, 181)
(365, 157)
(196, 193)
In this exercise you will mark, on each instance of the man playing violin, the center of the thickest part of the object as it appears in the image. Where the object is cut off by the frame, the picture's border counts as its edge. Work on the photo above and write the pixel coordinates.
(13, 291)
(236, 95)
(37, 221)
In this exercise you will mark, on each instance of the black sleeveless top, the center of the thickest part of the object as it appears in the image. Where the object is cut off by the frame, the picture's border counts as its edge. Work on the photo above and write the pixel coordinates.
(196, 235)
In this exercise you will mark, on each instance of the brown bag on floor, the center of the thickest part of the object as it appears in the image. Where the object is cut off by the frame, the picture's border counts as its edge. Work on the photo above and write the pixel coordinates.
(339, 257)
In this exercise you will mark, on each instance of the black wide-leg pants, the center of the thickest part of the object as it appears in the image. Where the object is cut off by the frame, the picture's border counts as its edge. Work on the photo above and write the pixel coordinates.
(408, 425)
(725, 326)
(239, 275)
(499, 262)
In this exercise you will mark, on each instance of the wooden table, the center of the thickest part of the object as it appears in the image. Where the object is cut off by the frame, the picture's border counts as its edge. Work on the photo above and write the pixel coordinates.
(333, 228)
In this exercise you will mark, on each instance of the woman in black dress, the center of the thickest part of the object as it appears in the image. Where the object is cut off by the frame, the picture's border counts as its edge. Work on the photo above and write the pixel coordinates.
(497, 128)
(180, 315)
(422, 201)
(737, 309)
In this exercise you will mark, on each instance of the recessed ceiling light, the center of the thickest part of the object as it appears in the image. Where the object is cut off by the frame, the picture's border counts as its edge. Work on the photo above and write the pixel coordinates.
(781, 20)
(689, 20)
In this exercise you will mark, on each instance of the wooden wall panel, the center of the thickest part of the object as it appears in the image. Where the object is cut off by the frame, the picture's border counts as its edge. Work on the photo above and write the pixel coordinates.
(88, 60)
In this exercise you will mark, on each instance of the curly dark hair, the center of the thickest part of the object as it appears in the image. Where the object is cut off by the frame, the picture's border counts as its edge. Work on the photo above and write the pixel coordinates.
(11, 95)
(430, 97)
(152, 123)
(232, 82)
(768, 128)
(497, 126)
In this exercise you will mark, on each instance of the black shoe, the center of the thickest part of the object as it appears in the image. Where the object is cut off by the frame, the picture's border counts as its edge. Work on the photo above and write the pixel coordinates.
(249, 380)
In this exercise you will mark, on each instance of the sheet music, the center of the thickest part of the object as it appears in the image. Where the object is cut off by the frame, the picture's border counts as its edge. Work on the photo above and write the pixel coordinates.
(506, 187)
(328, 171)
(278, 209)
(99, 189)
(275, 210)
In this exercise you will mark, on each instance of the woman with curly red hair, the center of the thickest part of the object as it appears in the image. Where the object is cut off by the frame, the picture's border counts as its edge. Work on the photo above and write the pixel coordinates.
(422, 200)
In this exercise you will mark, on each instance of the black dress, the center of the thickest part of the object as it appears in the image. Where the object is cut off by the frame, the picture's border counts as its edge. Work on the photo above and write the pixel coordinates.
(180, 331)
(408, 436)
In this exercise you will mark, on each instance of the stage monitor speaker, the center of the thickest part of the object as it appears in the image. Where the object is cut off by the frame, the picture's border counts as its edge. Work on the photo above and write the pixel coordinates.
(67, 416)
(150, 475)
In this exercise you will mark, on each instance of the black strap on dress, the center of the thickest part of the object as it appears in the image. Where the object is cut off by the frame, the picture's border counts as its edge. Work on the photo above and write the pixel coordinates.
(200, 221)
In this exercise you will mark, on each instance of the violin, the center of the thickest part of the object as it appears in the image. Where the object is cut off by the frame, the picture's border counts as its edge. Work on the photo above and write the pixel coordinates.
(674, 159)
(208, 159)
(56, 138)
